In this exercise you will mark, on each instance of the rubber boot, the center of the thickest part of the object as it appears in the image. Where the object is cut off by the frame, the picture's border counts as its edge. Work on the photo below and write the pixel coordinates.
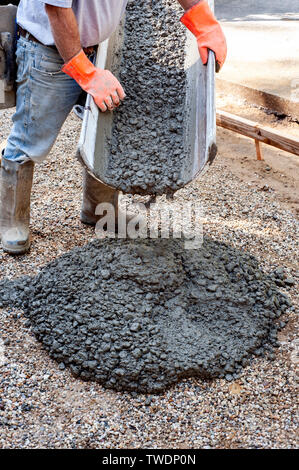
(95, 193)
(16, 184)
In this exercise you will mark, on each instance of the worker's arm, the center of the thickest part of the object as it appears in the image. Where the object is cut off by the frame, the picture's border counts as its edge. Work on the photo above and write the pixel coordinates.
(200, 20)
(101, 84)
(65, 31)
(186, 4)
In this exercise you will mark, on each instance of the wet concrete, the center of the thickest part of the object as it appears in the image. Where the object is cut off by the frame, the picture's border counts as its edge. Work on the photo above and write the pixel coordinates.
(141, 315)
(147, 148)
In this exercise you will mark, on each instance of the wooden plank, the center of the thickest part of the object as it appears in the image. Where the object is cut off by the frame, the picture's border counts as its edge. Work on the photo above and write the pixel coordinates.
(257, 132)
(258, 149)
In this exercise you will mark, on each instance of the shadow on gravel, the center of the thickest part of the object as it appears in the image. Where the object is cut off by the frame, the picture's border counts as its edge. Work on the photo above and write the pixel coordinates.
(140, 315)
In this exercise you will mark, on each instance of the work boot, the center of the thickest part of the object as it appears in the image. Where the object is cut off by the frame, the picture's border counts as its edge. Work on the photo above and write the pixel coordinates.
(95, 193)
(16, 184)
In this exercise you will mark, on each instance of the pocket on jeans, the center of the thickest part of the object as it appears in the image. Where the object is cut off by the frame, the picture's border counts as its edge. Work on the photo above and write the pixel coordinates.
(47, 73)
(49, 65)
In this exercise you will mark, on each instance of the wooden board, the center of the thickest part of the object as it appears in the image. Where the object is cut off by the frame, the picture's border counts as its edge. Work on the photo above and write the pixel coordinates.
(257, 132)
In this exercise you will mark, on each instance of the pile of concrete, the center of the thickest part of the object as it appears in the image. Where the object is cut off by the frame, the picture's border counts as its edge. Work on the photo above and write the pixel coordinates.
(140, 315)
(147, 150)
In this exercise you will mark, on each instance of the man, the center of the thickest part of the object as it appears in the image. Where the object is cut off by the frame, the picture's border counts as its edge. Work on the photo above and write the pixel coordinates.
(55, 43)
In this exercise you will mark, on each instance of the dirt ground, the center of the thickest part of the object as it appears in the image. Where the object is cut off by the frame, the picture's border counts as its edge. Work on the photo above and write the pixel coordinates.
(247, 204)
(279, 171)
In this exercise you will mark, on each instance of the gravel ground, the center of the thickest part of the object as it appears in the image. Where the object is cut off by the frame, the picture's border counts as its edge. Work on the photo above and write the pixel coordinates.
(43, 406)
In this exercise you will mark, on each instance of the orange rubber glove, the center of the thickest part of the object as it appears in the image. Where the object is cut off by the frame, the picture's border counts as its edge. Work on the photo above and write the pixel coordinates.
(100, 84)
(200, 20)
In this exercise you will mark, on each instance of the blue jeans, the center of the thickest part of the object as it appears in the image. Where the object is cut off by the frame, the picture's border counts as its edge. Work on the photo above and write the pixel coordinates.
(45, 97)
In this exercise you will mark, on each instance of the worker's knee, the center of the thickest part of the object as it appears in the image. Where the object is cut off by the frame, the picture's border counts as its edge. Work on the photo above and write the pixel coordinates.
(21, 147)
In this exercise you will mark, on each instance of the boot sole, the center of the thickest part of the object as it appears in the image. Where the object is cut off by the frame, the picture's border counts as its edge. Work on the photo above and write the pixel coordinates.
(16, 251)
(87, 221)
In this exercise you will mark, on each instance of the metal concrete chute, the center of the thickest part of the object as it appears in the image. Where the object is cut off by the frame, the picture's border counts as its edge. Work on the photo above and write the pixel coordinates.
(199, 135)
(7, 56)
(200, 132)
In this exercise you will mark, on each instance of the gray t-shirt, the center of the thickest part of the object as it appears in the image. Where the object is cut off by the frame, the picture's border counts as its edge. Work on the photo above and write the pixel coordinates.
(97, 19)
